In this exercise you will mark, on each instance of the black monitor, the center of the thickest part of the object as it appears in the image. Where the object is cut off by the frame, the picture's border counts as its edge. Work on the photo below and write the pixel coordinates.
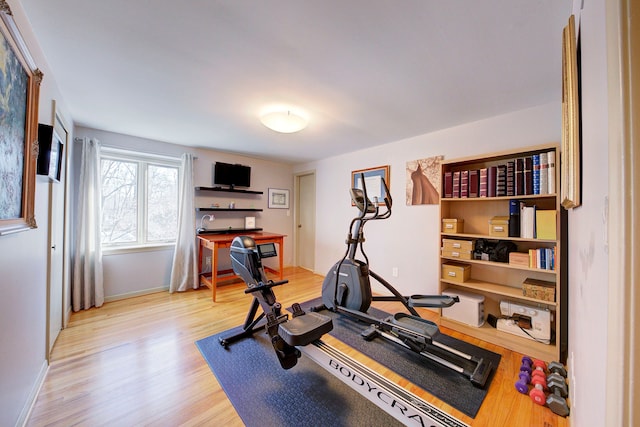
(50, 154)
(231, 175)
(267, 250)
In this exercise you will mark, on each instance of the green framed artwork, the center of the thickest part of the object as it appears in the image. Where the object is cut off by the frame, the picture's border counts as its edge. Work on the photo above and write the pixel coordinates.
(19, 90)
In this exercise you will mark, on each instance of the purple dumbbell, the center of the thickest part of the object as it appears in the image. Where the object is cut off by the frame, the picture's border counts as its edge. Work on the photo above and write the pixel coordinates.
(527, 364)
(522, 385)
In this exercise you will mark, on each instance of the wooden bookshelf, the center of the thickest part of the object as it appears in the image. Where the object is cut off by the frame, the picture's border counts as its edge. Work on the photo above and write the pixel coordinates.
(501, 281)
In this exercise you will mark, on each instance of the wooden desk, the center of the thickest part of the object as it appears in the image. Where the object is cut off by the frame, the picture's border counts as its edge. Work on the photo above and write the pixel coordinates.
(214, 242)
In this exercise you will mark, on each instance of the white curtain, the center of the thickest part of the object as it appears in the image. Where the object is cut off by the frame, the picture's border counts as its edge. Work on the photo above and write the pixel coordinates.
(87, 286)
(184, 271)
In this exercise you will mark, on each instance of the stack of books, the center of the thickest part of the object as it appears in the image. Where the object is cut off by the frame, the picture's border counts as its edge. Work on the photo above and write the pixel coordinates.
(530, 175)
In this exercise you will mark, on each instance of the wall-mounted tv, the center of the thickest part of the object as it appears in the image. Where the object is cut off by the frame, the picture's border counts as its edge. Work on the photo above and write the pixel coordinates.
(231, 175)
(50, 152)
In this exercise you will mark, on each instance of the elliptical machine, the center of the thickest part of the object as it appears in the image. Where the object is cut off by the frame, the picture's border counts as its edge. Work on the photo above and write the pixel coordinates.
(347, 289)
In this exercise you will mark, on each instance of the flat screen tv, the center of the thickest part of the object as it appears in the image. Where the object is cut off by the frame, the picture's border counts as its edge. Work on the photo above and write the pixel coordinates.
(50, 154)
(231, 175)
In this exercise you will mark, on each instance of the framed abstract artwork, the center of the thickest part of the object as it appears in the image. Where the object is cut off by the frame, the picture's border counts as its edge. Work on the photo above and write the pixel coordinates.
(19, 90)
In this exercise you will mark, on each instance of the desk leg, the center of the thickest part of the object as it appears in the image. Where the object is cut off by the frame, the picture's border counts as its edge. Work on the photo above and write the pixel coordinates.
(281, 258)
(200, 249)
(214, 270)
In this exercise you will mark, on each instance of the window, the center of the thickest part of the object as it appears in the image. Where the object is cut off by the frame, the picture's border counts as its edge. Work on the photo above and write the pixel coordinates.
(139, 199)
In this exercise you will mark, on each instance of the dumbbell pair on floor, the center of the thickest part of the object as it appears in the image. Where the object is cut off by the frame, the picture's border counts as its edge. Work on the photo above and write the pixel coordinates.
(534, 372)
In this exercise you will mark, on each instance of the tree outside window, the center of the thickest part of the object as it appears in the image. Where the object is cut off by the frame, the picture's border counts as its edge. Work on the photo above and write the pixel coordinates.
(139, 200)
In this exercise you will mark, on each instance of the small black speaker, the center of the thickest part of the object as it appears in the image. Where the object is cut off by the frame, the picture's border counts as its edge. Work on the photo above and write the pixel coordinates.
(492, 320)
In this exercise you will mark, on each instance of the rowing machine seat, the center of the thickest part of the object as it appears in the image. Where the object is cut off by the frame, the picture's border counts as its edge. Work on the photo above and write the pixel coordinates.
(304, 328)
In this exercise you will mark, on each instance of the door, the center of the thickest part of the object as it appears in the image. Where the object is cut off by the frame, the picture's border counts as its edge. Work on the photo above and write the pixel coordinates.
(306, 221)
(55, 292)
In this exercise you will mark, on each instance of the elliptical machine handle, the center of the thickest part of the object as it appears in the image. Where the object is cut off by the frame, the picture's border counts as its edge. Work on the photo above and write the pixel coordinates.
(388, 201)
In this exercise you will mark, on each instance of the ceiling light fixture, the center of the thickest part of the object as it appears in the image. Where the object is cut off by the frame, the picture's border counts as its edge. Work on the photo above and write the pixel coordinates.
(284, 120)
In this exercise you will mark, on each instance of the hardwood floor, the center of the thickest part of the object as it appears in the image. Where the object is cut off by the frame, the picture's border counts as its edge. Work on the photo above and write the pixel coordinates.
(134, 362)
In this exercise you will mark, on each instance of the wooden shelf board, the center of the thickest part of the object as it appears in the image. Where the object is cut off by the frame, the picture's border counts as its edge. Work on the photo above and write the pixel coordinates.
(546, 352)
(486, 236)
(228, 190)
(502, 155)
(500, 265)
(497, 289)
(229, 230)
(488, 199)
(228, 210)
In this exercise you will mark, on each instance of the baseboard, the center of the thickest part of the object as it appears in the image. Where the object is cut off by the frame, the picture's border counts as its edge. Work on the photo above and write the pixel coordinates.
(33, 395)
(136, 294)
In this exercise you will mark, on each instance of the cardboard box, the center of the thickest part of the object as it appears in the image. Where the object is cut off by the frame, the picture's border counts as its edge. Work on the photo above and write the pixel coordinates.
(452, 225)
(499, 226)
(519, 258)
(455, 272)
(539, 289)
(456, 253)
(457, 245)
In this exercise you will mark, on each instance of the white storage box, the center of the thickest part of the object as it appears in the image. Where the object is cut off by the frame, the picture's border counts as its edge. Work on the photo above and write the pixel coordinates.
(470, 309)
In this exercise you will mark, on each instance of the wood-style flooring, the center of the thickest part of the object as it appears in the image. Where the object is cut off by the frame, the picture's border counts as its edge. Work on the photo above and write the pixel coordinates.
(133, 362)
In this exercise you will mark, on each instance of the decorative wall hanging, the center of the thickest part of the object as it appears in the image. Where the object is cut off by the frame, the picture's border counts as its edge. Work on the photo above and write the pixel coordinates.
(373, 178)
(278, 199)
(423, 181)
(19, 92)
(570, 185)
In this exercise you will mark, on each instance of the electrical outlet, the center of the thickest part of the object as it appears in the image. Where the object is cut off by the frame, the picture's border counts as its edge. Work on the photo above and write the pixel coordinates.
(207, 261)
(394, 271)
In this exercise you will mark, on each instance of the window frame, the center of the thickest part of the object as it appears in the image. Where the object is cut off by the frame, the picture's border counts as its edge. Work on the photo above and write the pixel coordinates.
(143, 160)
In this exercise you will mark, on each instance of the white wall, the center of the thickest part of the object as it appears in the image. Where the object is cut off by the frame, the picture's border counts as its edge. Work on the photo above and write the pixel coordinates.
(588, 258)
(23, 274)
(139, 272)
(409, 240)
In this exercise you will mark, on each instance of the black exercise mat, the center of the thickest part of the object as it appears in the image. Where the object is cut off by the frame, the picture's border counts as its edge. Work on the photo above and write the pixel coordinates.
(444, 383)
(264, 394)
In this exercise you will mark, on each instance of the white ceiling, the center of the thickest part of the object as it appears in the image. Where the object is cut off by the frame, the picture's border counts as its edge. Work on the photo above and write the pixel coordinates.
(368, 72)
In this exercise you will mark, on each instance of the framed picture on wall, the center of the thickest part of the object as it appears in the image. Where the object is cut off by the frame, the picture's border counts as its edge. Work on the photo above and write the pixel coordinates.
(570, 195)
(373, 178)
(278, 198)
(19, 87)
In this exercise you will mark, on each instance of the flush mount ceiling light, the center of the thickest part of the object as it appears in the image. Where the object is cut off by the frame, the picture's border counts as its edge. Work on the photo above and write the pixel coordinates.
(284, 120)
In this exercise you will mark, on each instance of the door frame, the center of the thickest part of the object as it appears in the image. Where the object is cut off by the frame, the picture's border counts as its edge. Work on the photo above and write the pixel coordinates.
(296, 213)
(59, 122)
